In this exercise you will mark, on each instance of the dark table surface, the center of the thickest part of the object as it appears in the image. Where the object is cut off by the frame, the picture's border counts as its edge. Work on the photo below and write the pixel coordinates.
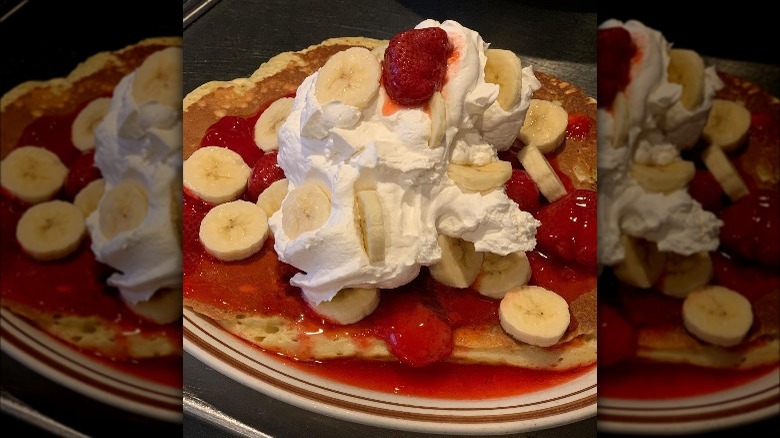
(233, 38)
(45, 40)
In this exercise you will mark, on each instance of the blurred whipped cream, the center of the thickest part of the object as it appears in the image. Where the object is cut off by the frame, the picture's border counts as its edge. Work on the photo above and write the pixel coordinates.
(656, 127)
(141, 143)
(348, 149)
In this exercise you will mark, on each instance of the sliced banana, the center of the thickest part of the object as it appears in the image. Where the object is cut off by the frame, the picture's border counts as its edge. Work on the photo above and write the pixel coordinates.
(717, 315)
(234, 230)
(348, 306)
(350, 76)
(459, 265)
(499, 274)
(438, 120)
(727, 125)
(305, 208)
(642, 264)
(504, 69)
(541, 172)
(159, 78)
(724, 172)
(32, 174)
(664, 178)
(82, 132)
(216, 174)
(621, 120)
(50, 230)
(122, 208)
(687, 69)
(482, 178)
(683, 274)
(164, 307)
(88, 198)
(372, 224)
(544, 126)
(534, 315)
(267, 125)
(270, 199)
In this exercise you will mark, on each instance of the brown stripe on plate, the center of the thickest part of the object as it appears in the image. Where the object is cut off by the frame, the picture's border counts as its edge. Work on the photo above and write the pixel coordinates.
(83, 378)
(705, 405)
(240, 366)
(744, 409)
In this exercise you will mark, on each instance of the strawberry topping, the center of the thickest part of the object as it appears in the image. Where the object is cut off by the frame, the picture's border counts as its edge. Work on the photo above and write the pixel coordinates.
(706, 189)
(751, 227)
(579, 125)
(568, 228)
(82, 172)
(415, 65)
(522, 189)
(617, 338)
(235, 133)
(265, 172)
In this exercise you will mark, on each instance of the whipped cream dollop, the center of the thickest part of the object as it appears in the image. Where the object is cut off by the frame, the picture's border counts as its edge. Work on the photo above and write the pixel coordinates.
(652, 128)
(346, 149)
(141, 143)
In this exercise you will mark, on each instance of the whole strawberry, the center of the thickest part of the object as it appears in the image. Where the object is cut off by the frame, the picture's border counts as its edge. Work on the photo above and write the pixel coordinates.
(415, 65)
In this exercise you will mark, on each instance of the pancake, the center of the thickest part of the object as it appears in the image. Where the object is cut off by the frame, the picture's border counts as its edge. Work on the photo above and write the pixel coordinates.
(240, 308)
(47, 293)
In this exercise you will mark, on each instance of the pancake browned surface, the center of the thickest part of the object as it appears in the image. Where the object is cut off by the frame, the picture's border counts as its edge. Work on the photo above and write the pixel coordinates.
(93, 78)
(486, 343)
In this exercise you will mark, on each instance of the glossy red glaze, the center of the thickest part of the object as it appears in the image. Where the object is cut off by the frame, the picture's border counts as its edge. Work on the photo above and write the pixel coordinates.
(615, 51)
(567, 280)
(82, 172)
(616, 337)
(751, 227)
(568, 228)
(707, 190)
(522, 189)
(579, 125)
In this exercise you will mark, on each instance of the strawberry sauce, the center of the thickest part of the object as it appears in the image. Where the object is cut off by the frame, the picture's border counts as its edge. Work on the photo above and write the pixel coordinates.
(76, 284)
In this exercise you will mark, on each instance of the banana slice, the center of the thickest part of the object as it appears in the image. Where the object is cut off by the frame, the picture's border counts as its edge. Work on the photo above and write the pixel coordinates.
(270, 120)
(544, 126)
(717, 315)
(664, 179)
(82, 132)
(122, 208)
(350, 76)
(500, 274)
(459, 265)
(534, 315)
(348, 306)
(88, 198)
(216, 174)
(687, 69)
(727, 125)
(682, 274)
(305, 208)
(541, 172)
(438, 120)
(51, 230)
(32, 174)
(371, 224)
(504, 69)
(234, 230)
(621, 120)
(724, 171)
(379, 52)
(164, 307)
(159, 78)
(482, 178)
(270, 199)
(642, 264)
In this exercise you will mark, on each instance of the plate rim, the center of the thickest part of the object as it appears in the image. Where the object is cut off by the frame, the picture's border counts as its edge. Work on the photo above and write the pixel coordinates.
(194, 345)
(72, 359)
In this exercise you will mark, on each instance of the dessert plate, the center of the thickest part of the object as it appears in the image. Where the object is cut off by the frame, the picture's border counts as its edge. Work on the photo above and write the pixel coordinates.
(86, 374)
(753, 401)
(273, 376)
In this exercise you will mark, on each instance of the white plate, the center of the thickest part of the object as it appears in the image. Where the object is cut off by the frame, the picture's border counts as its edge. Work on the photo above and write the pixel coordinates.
(268, 374)
(754, 401)
(80, 372)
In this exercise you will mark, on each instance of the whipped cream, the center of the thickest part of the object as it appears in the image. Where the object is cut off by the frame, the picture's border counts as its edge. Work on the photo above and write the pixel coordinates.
(346, 149)
(141, 143)
(658, 127)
